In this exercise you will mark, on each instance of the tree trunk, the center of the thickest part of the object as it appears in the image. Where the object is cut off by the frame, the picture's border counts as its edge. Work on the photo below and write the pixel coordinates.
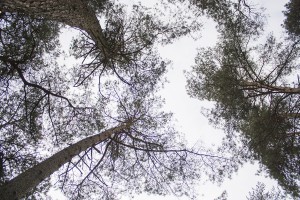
(271, 88)
(290, 115)
(75, 13)
(23, 183)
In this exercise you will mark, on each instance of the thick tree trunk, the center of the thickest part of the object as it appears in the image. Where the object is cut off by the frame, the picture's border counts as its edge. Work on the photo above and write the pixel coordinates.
(75, 13)
(23, 183)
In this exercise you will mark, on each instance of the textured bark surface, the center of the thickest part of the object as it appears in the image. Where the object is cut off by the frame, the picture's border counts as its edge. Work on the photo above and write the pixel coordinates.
(75, 13)
(23, 183)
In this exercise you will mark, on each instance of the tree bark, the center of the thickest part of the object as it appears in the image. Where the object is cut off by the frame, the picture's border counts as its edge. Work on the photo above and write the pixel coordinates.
(23, 183)
(271, 88)
(291, 115)
(75, 13)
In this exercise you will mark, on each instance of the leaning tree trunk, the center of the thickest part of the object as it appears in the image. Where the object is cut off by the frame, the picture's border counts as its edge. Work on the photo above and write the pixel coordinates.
(23, 183)
(75, 13)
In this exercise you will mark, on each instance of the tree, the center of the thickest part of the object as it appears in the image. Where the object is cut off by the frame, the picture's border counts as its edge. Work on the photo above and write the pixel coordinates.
(142, 152)
(74, 13)
(20, 185)
(292, 21)
(23, 41)
(249, 86)
(260, 193)
(149, 153)
(123, 46)
(238, 16)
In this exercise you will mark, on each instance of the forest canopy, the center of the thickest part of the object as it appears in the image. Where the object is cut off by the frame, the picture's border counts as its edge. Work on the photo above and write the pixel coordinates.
(255, 88)
(97, 129)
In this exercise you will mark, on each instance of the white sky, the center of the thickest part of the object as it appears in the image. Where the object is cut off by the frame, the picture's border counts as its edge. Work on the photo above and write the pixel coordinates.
(187, 111)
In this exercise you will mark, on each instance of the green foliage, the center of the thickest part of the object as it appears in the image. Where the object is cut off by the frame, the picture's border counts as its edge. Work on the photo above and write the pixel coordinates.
(23, 42)
(277, 148)
(248, 84)
(218, 80)
(41, 106)
(145, 158)
(292, 21)
(132, 54)
(42, 111)
(260, 193)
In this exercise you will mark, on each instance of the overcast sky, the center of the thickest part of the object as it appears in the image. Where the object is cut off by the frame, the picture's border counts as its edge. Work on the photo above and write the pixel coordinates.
(187, 111)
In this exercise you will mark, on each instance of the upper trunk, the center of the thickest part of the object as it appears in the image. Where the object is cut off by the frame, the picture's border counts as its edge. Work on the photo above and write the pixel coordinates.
(75, 13)
(23, 183)
(269, 88)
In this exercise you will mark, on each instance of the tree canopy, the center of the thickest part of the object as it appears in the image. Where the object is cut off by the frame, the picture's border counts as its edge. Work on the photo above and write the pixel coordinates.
(98, 125)
(292, 21)
(254, 98)
(47, 105)
(260, 193)
(124, 44)
(23, 44)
